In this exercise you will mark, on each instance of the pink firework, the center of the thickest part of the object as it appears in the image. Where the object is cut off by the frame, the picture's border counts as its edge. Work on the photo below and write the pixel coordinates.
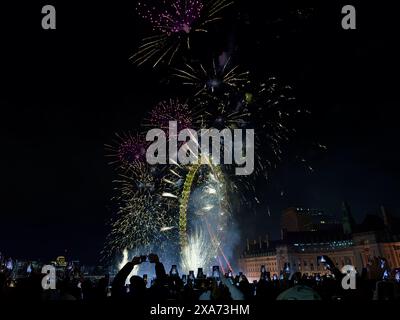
(171, 110)
(171, 16)
(174, 22)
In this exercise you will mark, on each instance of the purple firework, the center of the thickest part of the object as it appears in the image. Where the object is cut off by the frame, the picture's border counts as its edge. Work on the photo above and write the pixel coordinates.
(171, 16)
(174, 22)
(171, 110)
(129, 149)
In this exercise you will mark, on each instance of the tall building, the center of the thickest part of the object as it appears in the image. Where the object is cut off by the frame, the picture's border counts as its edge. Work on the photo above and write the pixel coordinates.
(297, 219)
(345, 244)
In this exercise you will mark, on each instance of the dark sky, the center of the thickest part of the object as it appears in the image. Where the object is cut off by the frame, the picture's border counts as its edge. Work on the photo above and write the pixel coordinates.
(65, 92)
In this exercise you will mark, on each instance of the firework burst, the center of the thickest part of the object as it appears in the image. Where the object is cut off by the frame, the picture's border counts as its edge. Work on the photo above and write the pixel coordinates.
(138, 223)
(143, 218)
(172, 110)
(267, 107)
(138, 179)
(173, 23)
(127, 149)
(192, 205)
(273, 110)
(175, 17)
(227, 111)
(221, 76)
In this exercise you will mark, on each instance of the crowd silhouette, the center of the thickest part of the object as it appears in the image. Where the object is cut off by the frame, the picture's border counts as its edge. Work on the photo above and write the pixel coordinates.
(375, 282)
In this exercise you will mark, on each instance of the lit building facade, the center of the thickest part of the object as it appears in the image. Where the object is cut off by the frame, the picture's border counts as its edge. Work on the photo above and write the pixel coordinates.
(345, 244)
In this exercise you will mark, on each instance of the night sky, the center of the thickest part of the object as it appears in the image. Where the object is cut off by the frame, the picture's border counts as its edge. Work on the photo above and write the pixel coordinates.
(64, 93)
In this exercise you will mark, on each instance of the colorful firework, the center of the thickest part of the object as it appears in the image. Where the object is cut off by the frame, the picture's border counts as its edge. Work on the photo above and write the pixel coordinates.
(173, 22)
(175, 17)
(268, 107)
(192, 205)
(156, 203)
(172, 110)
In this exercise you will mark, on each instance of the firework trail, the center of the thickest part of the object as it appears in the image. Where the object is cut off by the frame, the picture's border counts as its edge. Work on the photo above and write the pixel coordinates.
(173, 23)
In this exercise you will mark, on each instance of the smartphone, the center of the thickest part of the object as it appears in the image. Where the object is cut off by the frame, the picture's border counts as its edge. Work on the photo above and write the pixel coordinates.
(397, 275)
(145, 277)
(262, 269)
(275, 277)
(200, 273)
(174, 270)
(230, 275)
(184, 278)
(215, 273)
(385, 275)
(287, 267)
(191, 275)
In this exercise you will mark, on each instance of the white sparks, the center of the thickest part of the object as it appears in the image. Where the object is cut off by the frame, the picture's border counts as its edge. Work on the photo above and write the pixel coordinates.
(169, 195)
(163, 229)
(208, 207)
